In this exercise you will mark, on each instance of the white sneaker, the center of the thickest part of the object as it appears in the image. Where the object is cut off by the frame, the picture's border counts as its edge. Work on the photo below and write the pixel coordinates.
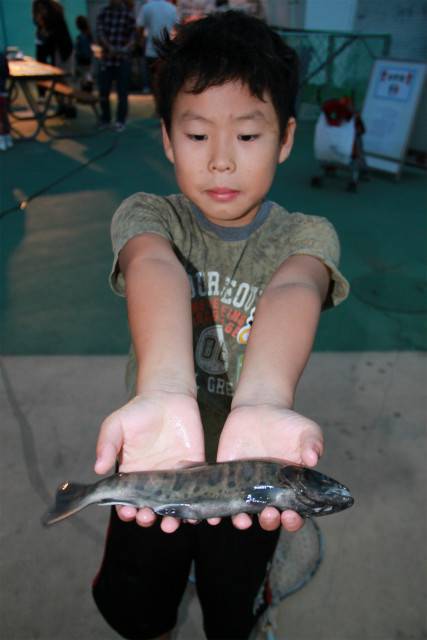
(119, 127)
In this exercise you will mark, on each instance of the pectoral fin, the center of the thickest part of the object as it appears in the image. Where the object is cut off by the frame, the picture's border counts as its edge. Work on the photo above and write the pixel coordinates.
(258, 495)
(178, 510)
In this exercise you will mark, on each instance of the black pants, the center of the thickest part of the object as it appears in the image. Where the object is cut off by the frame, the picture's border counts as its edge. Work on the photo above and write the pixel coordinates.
(145, 572)
(151, 67)
(45, 52)
(119, 74)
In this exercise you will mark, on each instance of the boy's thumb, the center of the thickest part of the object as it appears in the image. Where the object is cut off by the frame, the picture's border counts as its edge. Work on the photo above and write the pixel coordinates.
(312, 450)
(109, 444)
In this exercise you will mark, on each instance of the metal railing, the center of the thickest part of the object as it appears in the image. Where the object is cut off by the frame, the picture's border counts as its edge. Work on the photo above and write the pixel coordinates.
(335, 63)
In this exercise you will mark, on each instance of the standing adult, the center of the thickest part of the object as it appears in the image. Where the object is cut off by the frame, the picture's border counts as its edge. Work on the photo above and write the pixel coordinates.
(153, 17)
(53, 43)
(53, 40)
(115, 28)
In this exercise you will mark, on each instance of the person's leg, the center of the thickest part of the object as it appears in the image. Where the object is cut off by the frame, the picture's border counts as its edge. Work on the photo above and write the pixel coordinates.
(105, 80)
(122, 79)
(42, 53)
(231, 577)
(151, 63)
(143, 578)
(144, 75)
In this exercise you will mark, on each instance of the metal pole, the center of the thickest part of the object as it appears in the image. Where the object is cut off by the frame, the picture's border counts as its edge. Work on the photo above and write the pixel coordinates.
(3, 25)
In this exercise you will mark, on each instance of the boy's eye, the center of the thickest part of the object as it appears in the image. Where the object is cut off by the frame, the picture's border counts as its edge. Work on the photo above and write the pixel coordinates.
(248, 137)
(197, 137)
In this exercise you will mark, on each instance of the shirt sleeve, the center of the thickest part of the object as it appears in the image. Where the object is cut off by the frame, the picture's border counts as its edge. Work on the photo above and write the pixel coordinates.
(141, 213)
(315, 236)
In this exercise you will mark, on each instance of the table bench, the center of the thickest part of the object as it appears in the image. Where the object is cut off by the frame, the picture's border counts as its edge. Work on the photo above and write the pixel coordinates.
(71, 94)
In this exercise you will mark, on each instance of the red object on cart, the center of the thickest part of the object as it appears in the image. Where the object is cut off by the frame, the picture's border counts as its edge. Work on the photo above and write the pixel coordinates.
(337, 113)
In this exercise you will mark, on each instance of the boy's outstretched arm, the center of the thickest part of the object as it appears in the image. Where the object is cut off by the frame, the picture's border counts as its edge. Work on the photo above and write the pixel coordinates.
(262, 422)
(161, 427)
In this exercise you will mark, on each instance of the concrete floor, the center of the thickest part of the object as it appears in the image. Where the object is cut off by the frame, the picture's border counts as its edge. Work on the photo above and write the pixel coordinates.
(372, 582)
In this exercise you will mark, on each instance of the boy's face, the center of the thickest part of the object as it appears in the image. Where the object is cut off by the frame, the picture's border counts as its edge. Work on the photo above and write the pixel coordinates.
(224, 143)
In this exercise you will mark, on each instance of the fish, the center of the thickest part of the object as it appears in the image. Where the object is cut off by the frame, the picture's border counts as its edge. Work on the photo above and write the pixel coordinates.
(209, 490)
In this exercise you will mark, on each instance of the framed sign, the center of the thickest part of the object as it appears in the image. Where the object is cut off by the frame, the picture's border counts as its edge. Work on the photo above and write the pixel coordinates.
(389, 111)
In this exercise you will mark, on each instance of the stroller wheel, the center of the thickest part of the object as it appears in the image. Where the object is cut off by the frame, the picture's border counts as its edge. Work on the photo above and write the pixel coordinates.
(316, 182)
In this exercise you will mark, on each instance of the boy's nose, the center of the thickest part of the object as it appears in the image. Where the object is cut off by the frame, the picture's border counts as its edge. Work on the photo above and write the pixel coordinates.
(222, 161)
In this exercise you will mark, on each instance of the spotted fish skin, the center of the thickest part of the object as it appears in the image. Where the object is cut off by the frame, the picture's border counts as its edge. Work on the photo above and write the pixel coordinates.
(209, 490)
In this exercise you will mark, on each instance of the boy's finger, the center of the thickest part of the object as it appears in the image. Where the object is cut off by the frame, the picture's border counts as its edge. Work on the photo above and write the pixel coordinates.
(109, 443)
(214, 521)
(310, 457)
(169, 524)
(106, 456)
(145, 517)
(291, 521)
(312, 449)
(126, 513)
(269, 519)
(242, 521)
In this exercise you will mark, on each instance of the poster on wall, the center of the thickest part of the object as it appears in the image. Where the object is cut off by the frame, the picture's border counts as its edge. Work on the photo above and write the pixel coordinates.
(389, 111)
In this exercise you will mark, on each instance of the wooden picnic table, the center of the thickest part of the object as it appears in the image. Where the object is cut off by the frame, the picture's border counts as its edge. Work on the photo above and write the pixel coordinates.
(26, 73)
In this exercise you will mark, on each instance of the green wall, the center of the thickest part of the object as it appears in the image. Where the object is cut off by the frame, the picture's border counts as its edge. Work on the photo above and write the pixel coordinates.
(16, 25)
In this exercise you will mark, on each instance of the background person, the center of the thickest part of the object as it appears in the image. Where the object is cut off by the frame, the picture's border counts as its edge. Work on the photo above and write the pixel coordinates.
(53, 43)
(153, 17)
(53, 40)
(84, 54)
(115, 27)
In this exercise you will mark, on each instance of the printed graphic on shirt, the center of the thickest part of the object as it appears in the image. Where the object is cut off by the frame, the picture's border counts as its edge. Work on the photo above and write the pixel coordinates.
(223, 310)
(240, 295)
(243, 335)
(211, 352)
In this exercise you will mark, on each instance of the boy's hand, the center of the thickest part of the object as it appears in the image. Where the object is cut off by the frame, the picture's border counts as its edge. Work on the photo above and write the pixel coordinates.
(159, 430)
(270, 431)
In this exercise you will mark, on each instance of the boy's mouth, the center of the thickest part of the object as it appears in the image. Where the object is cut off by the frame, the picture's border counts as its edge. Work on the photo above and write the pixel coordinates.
(222, 194)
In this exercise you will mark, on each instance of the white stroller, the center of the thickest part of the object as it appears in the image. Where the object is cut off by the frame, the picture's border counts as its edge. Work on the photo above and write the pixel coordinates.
(338, 142)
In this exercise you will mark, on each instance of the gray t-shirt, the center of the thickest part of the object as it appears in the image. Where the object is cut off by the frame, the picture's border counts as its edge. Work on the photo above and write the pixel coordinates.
(228, 269)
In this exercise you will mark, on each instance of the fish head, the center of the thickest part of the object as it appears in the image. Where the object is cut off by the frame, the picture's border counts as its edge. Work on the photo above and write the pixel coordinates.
(315, 492)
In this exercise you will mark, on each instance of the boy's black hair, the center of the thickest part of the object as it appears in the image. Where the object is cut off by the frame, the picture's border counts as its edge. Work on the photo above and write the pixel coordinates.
(226, 47)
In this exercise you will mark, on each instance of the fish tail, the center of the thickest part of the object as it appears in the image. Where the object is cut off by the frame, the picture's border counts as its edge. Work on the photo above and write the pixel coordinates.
(70, 498)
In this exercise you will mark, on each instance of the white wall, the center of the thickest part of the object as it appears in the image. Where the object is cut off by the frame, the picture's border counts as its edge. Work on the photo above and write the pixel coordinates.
(330, 15)
(406, 22)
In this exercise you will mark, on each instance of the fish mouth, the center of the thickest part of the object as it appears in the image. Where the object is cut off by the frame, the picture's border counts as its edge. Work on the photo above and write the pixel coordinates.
(330, 502)
(319, 493)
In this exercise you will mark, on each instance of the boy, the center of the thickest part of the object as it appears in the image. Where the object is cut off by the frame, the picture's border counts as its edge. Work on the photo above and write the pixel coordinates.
(194, 267)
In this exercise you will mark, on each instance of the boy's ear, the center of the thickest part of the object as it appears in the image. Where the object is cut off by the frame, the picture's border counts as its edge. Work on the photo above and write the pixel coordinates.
(167, 145)
(288, 140)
